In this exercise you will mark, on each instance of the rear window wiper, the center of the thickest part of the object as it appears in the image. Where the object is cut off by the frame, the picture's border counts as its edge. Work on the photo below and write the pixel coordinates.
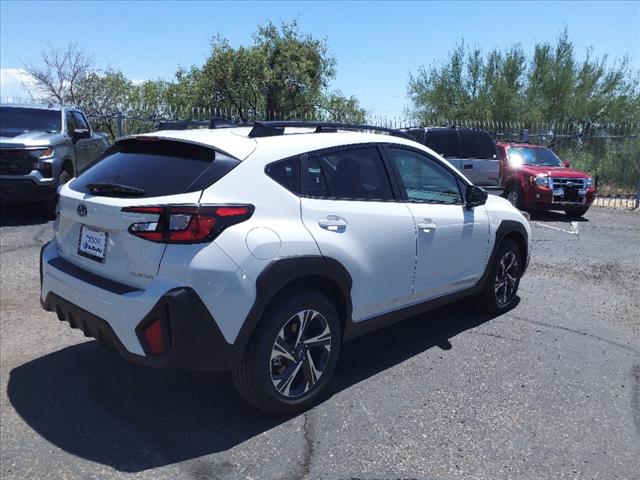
(115, 189)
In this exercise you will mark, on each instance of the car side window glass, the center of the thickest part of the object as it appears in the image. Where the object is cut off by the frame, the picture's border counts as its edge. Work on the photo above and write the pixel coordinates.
(353, 174)
(80, 121)
(312, 178)
(71, 123)
(444, 142)
(424, 179)
(286, 173)
(477, 144)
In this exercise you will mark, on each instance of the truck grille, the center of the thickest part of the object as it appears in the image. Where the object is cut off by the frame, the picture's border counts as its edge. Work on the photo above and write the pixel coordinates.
(15, 161)
(567, 182)
(567, 190)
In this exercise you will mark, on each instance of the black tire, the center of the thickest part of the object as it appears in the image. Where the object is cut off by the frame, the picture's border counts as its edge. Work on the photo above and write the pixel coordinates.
(574, 214)
(50, 206)
(514, 195)
(495, 299)
(260, 371)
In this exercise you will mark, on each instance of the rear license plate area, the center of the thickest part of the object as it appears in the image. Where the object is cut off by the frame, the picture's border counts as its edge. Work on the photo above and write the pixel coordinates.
(92, 243)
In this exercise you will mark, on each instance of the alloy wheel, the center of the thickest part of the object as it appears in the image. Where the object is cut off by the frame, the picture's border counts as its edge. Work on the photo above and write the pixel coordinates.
(506, 280)
(300, 353)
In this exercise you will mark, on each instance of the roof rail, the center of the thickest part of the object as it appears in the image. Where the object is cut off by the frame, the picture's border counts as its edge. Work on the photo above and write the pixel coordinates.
(221, 122)
(215, 122)
(182, 125)
(275, 128)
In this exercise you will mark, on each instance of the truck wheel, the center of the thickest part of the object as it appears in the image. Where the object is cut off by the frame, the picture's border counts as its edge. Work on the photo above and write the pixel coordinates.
(292, 355)
(51, 205)
(574, 214)
(514, 195)
(499, 291)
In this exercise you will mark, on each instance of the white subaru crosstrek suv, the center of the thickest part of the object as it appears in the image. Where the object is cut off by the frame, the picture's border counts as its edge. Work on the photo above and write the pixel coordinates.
(261, 249)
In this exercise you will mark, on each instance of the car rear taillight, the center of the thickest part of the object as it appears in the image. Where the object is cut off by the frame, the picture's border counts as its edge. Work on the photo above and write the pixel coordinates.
(187, 223)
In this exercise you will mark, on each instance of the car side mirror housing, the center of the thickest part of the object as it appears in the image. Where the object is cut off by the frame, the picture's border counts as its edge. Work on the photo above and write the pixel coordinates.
(565, 163)
(80, 133)
(475, 196)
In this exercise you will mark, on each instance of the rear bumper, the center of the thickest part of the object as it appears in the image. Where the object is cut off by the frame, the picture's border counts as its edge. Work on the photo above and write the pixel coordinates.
(192, 338)
(23, 190)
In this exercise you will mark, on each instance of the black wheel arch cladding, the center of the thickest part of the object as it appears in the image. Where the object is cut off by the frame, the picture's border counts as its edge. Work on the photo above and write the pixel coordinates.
(291, 271)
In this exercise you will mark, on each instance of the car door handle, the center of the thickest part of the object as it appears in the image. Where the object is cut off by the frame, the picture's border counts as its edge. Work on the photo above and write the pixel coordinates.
(467, 166)
(426, 225)
(333, 223)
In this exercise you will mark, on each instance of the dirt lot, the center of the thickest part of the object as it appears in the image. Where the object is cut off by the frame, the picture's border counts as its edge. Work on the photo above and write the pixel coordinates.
(550, 390)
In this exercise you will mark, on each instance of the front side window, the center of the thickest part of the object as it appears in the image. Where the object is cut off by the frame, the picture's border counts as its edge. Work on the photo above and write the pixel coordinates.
(81, 122)
(354, 174)
(424, 179)
(71, 123)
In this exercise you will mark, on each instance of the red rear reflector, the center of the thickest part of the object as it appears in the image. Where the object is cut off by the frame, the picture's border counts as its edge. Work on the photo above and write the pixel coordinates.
(153, 337)
(153, 236)
(232, 211)
(150, 210)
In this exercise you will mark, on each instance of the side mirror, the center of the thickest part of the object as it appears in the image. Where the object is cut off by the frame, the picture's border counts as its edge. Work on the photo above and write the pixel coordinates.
(80, 133)
(475, 196)
(566, 164)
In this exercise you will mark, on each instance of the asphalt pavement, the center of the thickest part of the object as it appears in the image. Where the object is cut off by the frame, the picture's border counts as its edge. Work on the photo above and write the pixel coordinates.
(550, 390)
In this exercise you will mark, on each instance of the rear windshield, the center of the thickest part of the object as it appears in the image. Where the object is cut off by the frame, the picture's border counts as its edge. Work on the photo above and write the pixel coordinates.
(444, 142)
(154, 168)
(18, 120)
(477, 144)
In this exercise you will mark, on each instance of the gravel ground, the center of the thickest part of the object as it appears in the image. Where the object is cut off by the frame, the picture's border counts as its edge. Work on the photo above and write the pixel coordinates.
(549, 390)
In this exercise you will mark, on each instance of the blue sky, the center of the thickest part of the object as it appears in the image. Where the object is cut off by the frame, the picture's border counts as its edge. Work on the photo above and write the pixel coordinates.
(377, 44)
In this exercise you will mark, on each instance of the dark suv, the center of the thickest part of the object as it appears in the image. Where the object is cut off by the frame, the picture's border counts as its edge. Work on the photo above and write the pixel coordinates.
(473, 152)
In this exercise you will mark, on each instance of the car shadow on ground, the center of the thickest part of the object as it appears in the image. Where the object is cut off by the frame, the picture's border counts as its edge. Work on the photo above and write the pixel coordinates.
(19, 214)
(89, 402)
(548, 216)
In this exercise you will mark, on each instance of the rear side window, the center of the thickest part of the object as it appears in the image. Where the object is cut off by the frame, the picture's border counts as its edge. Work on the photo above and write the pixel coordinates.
(286, 173)
(354, 174)
(443, 142)
(477, 144)
(155, 168)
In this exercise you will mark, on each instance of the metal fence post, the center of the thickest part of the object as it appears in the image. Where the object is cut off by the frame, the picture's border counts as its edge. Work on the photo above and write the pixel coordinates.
(119, 123)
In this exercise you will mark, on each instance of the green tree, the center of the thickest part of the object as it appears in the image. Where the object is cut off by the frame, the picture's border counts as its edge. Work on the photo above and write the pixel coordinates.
(550, 85)
(282, 73)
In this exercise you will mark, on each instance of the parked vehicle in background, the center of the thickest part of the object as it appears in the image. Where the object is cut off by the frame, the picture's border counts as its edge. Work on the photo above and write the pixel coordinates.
(42, 147)
(470, 150)
(260, 249)
(534, 178)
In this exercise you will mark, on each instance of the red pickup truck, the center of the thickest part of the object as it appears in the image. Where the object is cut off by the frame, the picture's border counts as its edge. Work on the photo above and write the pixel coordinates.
(534, 178)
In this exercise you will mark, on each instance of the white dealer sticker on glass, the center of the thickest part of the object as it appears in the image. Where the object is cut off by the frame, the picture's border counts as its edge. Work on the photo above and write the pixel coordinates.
(93, 243)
